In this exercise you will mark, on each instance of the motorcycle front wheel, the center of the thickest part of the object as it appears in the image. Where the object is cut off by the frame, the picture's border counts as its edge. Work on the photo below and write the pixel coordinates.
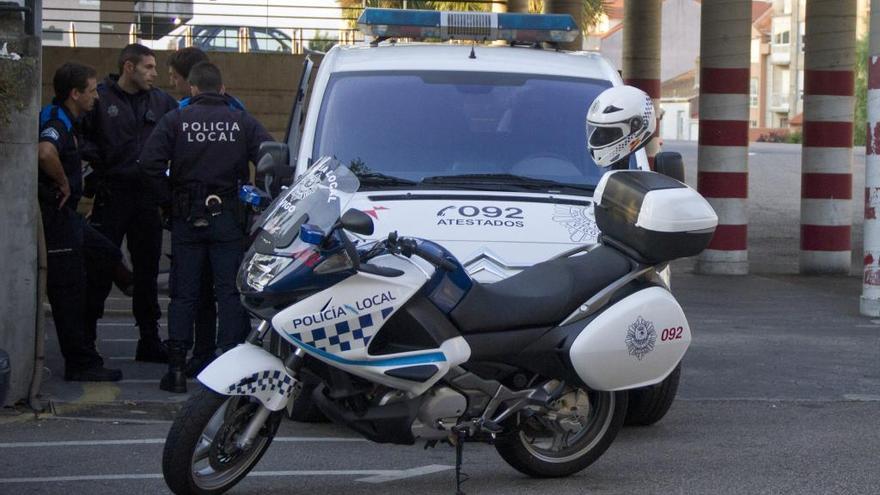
(200, 455)
(568, 438)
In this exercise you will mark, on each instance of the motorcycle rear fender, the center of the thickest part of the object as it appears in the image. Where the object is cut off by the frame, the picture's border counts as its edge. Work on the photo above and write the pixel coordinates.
(634, 343)
(250, 370)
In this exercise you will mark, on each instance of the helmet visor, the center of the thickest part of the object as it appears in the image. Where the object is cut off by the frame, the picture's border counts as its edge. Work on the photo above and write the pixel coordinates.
(603, 136)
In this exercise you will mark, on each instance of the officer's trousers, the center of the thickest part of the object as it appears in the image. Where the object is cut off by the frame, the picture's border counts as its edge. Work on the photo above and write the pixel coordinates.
(78, 258)
(124, 211)
(206, 317)
(220, 246)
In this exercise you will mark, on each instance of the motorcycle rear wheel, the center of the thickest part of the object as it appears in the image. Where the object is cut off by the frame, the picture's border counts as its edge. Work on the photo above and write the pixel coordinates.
(568, 452)
(199, 456)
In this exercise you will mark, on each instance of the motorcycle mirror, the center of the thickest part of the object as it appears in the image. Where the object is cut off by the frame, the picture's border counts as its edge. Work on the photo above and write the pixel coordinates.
(670, 164)
(357, 221)
(273, 158)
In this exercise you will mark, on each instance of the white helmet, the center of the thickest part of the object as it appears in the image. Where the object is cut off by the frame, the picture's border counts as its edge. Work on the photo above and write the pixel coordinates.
(620, 121)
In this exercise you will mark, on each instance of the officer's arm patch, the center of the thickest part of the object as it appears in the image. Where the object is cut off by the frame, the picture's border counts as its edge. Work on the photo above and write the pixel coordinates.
(50, 133)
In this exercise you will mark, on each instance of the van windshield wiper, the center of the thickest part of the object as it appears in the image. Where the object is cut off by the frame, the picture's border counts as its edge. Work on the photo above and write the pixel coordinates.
(509, 180)
(379, 179)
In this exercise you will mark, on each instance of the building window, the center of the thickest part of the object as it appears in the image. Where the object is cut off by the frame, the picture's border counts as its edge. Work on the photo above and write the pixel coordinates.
(753, 92)
(753, 123)
(782, 38)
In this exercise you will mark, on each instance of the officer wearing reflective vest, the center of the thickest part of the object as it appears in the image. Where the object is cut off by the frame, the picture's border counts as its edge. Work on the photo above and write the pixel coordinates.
(77, 255)
(208, 145)
(116, 130)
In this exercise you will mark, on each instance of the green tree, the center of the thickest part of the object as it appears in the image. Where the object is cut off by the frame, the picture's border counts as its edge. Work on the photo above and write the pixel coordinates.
(860, 122)
(322, 42)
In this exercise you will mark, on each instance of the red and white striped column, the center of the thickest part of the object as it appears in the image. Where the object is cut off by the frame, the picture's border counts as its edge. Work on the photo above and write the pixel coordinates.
(870, 302)
(723, 153)
(641, 56)
(826, 160)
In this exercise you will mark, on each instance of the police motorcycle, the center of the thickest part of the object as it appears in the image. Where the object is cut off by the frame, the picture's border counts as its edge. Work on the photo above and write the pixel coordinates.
(410, 349)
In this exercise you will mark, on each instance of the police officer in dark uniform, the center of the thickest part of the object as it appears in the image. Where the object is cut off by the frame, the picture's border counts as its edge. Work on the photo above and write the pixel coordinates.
(208, 145)
(116, 130)
(180, 63)
(78, 256)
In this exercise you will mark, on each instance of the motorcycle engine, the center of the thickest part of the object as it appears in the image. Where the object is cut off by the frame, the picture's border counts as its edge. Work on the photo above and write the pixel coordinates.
(441, 406)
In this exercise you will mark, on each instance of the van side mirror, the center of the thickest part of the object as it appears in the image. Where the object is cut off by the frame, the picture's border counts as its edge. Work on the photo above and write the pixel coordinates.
(670, 164)
(273, 159)
(357, 221)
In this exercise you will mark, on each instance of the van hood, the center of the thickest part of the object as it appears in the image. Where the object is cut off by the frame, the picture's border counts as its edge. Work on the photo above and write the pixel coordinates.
(494, 235)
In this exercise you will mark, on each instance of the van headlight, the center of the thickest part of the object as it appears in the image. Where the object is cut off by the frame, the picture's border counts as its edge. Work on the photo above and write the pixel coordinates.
(263, 268)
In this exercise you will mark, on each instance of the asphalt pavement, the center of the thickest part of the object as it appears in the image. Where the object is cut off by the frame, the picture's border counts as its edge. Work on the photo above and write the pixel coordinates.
(780, 394)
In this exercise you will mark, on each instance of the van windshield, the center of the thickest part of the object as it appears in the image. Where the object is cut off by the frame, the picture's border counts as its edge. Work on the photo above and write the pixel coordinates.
(435, 128)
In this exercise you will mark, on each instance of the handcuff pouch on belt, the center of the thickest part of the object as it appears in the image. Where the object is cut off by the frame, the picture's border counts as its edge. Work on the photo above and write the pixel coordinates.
(197, 207)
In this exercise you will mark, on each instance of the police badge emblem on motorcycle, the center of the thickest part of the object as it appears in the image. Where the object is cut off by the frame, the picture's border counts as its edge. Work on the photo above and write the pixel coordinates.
(640, 338)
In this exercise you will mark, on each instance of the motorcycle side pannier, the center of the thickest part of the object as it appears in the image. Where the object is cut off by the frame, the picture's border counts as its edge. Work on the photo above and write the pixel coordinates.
(656, 217)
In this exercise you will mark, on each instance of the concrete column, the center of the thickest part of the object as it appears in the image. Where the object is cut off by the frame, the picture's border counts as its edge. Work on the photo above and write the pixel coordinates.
(573, 8)
(19, 109)
(826, 161)
(641, 55)
(723, 155)
(870, 303)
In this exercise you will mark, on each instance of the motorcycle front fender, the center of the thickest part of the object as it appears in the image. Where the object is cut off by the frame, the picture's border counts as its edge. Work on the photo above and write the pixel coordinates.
(253, 371)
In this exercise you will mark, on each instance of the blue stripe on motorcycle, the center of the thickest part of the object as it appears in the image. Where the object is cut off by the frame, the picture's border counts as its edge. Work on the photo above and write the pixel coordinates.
(433, 357)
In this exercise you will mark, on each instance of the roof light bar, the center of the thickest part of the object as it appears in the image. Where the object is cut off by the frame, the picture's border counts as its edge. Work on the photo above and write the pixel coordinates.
(478, 26)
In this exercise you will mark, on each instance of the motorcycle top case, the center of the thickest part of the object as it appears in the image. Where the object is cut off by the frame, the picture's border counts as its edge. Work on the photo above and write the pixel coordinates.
(656, 216)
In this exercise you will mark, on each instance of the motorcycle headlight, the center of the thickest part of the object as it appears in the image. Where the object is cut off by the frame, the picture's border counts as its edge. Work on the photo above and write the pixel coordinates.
(263, 268)
(336, 263)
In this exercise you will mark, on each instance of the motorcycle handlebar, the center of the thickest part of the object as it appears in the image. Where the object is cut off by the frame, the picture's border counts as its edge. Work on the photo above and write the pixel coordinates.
(409, 247)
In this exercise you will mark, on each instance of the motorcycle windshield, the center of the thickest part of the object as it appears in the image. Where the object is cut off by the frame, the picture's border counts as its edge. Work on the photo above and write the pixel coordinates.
(318, 199)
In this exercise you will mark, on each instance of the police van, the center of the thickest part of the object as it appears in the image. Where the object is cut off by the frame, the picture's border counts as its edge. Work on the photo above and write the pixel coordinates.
(480, 147)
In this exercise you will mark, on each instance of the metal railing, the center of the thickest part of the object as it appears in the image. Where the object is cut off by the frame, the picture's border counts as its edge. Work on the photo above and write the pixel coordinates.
(294, 26)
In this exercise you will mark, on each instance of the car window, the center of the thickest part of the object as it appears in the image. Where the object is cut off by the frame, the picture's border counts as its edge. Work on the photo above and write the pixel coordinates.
(216, 39)
(414, 125)
(269, 40)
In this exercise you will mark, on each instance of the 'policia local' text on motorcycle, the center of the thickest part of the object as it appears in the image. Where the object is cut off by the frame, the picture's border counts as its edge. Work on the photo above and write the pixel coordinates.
(408, 348)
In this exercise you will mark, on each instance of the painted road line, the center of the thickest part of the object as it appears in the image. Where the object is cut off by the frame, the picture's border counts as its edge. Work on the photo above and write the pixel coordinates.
(406, 473)
(158, 441)
(121, 358)
(133, 421)
(122, 324)
(119, 340)
(150, 380)
(372, 475)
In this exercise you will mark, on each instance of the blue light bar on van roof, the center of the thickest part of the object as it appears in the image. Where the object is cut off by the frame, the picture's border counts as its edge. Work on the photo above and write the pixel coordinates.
(479, 26)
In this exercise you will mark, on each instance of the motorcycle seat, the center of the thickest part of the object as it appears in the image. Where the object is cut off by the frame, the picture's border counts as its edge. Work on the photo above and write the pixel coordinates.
(541, 295)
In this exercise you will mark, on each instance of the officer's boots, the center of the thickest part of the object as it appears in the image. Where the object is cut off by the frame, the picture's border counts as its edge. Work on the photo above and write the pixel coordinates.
(175, 379)
(150, 348)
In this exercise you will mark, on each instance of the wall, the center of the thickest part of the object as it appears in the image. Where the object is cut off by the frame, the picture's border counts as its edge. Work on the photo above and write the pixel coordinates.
(680, 39)
(670, 127)
(265, 82)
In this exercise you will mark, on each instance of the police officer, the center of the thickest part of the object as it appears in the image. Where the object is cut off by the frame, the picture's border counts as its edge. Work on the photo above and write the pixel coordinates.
(208, 145)
(77, 255)
(116, 130)
(180, 63)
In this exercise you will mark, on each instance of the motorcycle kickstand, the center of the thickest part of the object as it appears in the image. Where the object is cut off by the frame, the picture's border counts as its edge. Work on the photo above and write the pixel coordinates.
(460, 434)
